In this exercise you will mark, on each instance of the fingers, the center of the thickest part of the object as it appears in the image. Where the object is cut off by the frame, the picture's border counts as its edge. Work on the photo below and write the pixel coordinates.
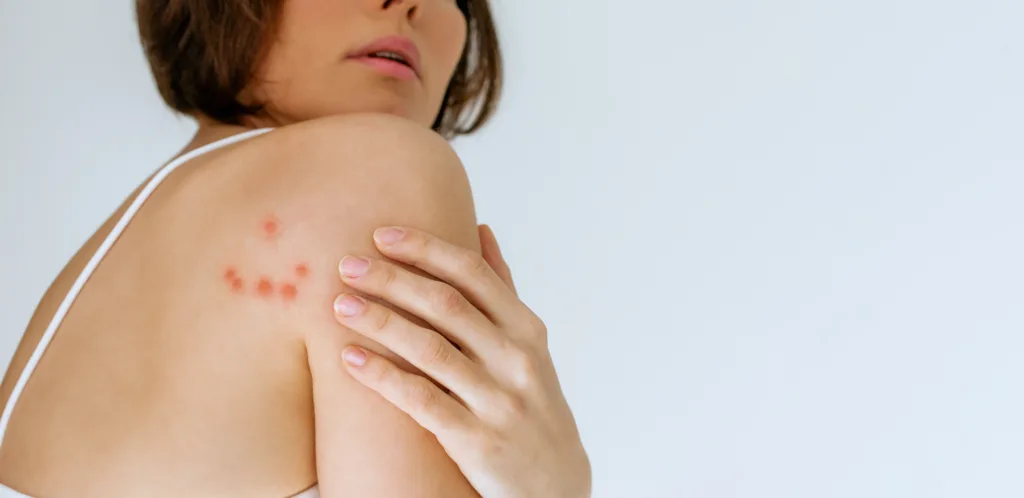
(465, 270)
(440, 304)
(418, 397)
(492, 254)
(423, 348)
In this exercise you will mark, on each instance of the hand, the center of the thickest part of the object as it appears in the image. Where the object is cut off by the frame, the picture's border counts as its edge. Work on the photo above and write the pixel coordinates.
(503, 419)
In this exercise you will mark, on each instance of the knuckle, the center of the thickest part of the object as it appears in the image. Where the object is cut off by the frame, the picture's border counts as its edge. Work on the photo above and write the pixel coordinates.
(419, 395)
(536, 323)
(382, 319)
(511, 408)
(436, 352)
(522, 367)
(537, 330)
(378, 372)
(470, 263)
(448, 300)
(387, 277)
(418, 245)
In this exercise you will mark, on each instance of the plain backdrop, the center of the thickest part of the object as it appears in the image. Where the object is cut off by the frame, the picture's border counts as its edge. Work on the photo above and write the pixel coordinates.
(777, 244)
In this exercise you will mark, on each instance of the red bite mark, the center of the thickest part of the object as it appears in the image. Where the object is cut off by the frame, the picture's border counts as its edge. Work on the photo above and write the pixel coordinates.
(289, 292)
(264, 287)
(233, 280)
(301, 270)
(271, 227)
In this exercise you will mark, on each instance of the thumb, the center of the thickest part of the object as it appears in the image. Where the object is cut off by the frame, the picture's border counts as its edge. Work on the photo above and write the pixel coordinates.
(492, 254)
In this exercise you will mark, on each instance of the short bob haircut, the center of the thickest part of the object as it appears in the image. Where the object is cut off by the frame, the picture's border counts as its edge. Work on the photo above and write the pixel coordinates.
(203, 53)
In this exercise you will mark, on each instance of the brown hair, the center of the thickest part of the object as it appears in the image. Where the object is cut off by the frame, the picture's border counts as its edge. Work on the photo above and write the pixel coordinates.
(203, 53)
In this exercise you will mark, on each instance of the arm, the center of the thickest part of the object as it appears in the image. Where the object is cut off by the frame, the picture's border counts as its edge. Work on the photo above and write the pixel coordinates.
(505, 421)
(337, 180)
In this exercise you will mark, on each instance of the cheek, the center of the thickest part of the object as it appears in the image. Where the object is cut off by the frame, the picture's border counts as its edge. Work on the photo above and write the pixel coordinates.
(308, 34)
(309, 39)
(448, 38)
(456, 39)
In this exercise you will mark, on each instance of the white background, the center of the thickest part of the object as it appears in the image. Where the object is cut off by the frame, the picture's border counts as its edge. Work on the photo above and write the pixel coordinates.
(778, 244)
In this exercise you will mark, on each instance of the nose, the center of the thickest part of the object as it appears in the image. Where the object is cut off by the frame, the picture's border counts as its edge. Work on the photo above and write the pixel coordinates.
(410, 7)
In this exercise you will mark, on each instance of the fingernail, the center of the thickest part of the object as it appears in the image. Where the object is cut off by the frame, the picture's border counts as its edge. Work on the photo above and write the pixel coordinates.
(347, 305)
(388, 235)
(354, 266)
(354, 356)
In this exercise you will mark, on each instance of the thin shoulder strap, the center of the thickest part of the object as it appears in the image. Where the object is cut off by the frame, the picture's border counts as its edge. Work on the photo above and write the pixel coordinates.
(83, 277)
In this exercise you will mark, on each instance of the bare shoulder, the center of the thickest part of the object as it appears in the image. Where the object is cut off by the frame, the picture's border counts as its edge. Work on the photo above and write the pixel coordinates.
(378, 147)
(276, 215)
(327, 164)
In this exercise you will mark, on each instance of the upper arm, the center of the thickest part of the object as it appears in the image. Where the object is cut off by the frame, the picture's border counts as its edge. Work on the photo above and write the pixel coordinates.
(333, 183)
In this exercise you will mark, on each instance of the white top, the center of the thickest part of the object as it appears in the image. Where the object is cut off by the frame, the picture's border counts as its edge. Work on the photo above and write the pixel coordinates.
(104, 248)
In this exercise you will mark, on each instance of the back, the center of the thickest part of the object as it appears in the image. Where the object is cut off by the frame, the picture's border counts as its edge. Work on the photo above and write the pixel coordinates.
(143, 391)
(183, 367)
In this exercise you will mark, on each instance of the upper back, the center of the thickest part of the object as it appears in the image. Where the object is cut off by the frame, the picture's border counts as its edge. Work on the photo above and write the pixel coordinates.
(181, 367)
(140, 378)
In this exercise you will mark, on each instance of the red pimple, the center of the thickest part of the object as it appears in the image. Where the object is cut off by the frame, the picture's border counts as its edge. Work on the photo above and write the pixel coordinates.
(301, 270)
(264, 287)
(237, 285)
(230, 274)
(289, 292)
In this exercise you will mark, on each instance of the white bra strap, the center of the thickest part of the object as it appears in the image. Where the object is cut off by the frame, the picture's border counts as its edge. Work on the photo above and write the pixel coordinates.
(83, 277)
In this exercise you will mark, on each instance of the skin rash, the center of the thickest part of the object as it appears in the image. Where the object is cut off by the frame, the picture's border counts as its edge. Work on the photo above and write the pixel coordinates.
(285, 288)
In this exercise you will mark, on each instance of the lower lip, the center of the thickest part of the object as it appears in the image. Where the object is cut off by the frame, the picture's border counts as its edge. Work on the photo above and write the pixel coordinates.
(389, 67)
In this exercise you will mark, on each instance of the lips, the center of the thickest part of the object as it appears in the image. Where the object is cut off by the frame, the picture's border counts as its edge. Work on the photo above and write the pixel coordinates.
(399, 45)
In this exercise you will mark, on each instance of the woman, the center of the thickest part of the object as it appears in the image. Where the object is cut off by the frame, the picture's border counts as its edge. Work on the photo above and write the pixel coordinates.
(252, 332)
